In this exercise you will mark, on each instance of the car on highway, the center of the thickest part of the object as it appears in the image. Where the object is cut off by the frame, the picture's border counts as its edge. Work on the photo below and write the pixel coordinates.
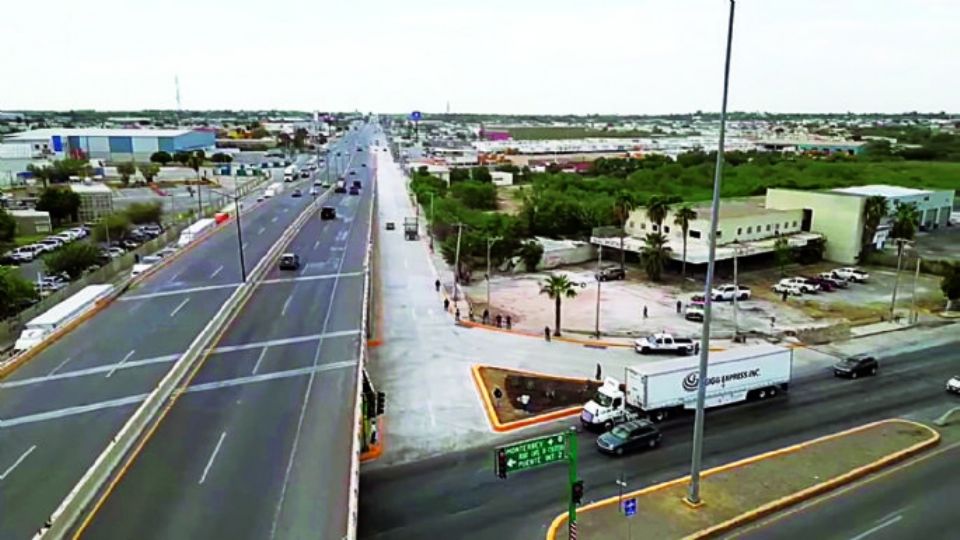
(353, 173)
(289, 261)
(612, 273)
(851, 274)
(328, 212)
(354, 190)
(628, 437)
(357, 184)
(953, 385)
(856, 365)
(297, 193)
(314, 191)
(363, 164)
(391, 226)
(317, 183)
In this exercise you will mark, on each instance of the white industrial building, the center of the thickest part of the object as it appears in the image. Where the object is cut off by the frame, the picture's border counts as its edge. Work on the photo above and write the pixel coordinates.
(106, 144)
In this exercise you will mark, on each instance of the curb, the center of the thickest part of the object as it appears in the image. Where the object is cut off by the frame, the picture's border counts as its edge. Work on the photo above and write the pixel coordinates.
(782, 502)
(505, 427)
(523, 333)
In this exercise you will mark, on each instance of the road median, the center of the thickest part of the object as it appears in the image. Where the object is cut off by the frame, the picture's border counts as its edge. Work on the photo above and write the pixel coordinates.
(743, 491)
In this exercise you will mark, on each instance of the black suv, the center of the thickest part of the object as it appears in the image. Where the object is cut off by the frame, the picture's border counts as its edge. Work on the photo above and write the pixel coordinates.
(856, 365)
(628, 437)
(608, 274)
(328, 212)
(289, 261)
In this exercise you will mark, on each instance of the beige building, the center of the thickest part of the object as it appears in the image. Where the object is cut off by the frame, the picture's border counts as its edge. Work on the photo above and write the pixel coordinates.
(96, 201)
(31, 222)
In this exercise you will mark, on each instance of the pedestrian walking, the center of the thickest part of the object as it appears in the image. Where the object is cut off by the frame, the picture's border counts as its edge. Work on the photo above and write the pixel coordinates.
(509, 322)
(679, 306)
(499, 321)
(783, 296)
(456, 314)
(471, 314)
(598, 371)
(436, 285)
(644, 312)
(486, 316)
(546, 333)
(446, 304)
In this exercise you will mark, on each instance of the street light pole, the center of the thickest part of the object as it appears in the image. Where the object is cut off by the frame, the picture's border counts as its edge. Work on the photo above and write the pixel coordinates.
(736, 290)
(693, 497)
(914, 314)
(901, 245)
(490, 243)
(596, 318)
(456, 265)
(243, 266)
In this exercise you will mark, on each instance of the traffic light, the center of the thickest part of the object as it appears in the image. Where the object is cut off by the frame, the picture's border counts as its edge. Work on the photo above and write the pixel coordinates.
(371, 405)
(576, 492)
(381, 403)
(502, 463)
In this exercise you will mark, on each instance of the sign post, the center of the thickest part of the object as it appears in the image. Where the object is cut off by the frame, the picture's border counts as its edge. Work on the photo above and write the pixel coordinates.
(630, 510)
(574, 485)
(530, 454)
(416, 116)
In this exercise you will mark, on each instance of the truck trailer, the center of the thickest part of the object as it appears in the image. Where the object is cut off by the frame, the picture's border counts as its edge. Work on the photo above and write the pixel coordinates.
(658, 390)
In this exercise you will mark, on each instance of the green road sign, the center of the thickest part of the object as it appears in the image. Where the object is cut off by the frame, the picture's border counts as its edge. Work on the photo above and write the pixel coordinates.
(530, 453)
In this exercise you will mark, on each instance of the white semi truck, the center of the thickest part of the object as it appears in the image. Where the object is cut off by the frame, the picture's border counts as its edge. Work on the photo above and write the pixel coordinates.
(657, 390)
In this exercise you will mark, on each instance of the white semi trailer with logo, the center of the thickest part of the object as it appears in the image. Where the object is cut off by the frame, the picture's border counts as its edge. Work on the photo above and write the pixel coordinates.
(658, 390)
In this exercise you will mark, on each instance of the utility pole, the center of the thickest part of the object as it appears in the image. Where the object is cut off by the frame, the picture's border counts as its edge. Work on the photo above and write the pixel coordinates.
(736, 290)
(901, 245)
(914, 314)
(693, 497)
(243, 266)
(490, 242)
(572, 472)
(596, 318)
(456, 265)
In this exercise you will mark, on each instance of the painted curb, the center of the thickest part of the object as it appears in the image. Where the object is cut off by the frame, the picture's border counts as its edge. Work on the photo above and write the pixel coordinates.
(504, 427)
(782, 502)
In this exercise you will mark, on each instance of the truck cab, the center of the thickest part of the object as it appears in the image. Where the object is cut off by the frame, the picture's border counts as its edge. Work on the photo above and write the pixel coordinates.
(607, 408)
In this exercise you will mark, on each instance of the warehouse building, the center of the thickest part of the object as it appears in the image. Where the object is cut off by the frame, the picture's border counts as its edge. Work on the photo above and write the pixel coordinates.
(96, 201)
(107, 144)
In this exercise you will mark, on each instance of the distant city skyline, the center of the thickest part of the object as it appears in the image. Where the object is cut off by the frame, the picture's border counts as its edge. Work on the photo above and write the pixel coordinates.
(533, 57)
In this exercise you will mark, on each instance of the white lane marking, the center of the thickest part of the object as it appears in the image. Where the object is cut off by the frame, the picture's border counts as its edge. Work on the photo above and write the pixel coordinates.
(89, 371)
(316, 244)
(217, 271)
(60, 365)
(879, 526)
(311, 278)
(274, 219)
(286, 304)
(259, 360)
(174, 277)
(245, 245)
(120, 364)
(273, 375)
(260, 230)
(213, 456)
(178, 291)
(284, 341)
(179, 307)
(19, 460)
(70, 411)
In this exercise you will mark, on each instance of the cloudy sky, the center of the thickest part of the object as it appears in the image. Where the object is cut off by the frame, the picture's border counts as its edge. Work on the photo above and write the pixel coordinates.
(509, 56)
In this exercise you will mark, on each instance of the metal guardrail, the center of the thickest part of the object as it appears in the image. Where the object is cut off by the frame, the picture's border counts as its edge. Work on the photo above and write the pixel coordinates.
(75, 505)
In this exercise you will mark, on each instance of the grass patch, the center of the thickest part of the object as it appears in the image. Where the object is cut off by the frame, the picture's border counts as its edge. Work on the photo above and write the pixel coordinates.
(547, 394)
(730, 493)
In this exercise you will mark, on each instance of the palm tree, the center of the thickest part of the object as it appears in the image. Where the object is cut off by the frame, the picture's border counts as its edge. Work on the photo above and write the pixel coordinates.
(654, 253)
(623, 203)
(874, 210)
(682, 217)
(781, 251)
(905, 219)
(558, 287)
(657, 208)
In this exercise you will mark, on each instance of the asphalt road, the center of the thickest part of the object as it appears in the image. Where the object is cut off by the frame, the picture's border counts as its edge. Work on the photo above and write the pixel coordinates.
(916, 500)
(60, 409)
(457, 495)
(265, 451)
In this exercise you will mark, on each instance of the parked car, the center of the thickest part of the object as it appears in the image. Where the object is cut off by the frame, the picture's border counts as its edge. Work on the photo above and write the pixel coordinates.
(727, 292)
(694, 311)
(825, 285)
(167, 251)
(116, 251)
(628, 437)
(856, 365)
(151, 259)
(129, 243)
(289, 261)
(41, 248)
(65, 237)
(607, 274)
(851, 274)
(803, 283)
(789, 287)
(836, 281)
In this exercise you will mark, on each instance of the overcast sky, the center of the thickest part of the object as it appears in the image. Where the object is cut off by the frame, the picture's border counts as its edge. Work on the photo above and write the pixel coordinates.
(507, 56)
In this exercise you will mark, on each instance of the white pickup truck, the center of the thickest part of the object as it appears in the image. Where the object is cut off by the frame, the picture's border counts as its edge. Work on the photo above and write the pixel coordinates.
(728, 291)
(666, 343)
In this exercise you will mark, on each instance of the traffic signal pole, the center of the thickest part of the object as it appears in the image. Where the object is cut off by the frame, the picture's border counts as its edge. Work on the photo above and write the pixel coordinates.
(572, 470)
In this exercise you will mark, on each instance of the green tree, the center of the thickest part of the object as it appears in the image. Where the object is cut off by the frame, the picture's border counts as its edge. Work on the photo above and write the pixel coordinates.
(531, 252)
(285, 142)
(481, 174)
(654, 254)
(111, 228)
(126, 170)
(781, 252)
(142, 213)
(905, 220)
(459, 175)
(149, 171)
(195, 162)
(62, 204)
(875, 208)
(161, 157)
(681, 218)
(42, 173)
(477, 195)
(8, 227)
(657, 207)
(299, 138)
(623, 204)
(61, 171)
(220, 157)
(181, 157)
(73, 259)
(15, 292)
(557, 287)
(950, 284)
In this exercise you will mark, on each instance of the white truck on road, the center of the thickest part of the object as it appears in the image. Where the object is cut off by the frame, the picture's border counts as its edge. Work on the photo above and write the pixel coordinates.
(666, 343)
(658, 390)
(194, 231)
(56, 317)
(290, 173)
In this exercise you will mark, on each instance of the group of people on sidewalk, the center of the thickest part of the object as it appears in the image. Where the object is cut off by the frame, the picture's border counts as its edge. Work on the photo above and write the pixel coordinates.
(501, 320)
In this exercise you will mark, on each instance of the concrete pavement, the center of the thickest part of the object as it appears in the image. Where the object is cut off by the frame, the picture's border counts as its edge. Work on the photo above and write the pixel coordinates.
(78, 392)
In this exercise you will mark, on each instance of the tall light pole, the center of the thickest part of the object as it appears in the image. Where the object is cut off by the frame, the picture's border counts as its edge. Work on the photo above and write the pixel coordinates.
(736, 289)
(901, 245)
(693, 496)
(914, 314)
(456, 265)
(243, 266)
(490, 242)
(596, 318)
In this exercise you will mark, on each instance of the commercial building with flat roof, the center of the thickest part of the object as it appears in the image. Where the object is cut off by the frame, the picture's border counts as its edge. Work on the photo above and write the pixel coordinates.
(108, 144)
(96, 201)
